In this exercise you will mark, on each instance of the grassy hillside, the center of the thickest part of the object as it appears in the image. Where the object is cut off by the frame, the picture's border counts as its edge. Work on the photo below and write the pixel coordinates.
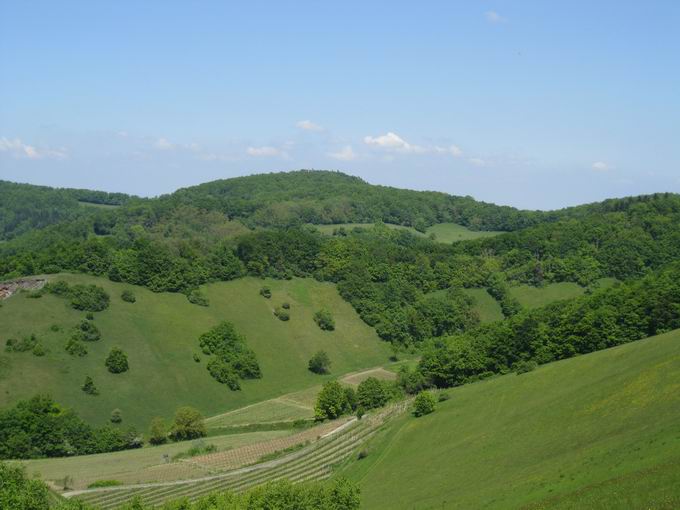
(596, 431)
(452, 233)
(160, 335)
(486, 306)
(444, 232)
(534, 297)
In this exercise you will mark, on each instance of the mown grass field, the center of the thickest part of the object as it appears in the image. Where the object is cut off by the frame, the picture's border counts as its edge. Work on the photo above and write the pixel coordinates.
(160, 334)
(596, 431)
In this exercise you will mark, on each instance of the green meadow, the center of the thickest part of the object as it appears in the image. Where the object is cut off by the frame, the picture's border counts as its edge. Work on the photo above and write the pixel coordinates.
(486, 306)
(597, 431)
(444, 232)
(535, 297)
(452, 233)
(159, 333)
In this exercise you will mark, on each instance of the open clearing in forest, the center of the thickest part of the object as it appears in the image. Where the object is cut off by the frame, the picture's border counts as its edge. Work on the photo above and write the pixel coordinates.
(445, 232)
(159, 333)
(595, 431)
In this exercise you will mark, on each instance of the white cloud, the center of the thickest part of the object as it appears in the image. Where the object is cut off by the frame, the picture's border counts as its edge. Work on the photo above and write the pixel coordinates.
(454, 150)
(123, 134)
(163, 144)
(477, 161)
(601, 166)
(494, 17)
(265, 151)
(20, 150)
(344, 154)
(308, 125)
(393, 142)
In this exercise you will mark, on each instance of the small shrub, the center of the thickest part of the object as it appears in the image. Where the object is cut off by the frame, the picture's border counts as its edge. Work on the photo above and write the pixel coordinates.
(331, 401)
(35, 294)
(89, 316)
(91, 298)
(104, 483)
(55, 327)
(423, 404)
(371, 393)
(158, 431)
(324, 320)
(266, 292)
(443, 396)
(76, 348)
(285, 306)
(522, 367)
(197, 358)
(188, 424)
(128, 296)
(117, 361)
(362, 454)
(283, 315)
(89, 387)
(224, 373)
(116, 416)
(320, 363)
(360, 412)
(39, 350)
(199, 447)
(86, 331)
(27, 343)
(198, 298)
(58, 288)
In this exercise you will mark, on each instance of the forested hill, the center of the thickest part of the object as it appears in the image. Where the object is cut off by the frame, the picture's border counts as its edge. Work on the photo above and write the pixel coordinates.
(24, 207)
(323, 197)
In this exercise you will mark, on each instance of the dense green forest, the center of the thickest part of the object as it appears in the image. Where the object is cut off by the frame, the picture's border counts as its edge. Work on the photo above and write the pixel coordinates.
(41, 428)
(189, 238)
(322, 197)
(609, 317)
(24, 207)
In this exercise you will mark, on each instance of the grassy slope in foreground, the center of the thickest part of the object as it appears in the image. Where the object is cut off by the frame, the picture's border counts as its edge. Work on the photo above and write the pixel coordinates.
(160, 334)
(600, 428)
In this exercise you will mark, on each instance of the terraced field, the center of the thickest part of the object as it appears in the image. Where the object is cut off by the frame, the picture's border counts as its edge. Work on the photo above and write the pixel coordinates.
(313, 462)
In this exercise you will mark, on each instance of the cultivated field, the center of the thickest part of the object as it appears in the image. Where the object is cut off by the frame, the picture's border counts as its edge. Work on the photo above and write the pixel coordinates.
(160, 334)
(597, 431)
(324, 448)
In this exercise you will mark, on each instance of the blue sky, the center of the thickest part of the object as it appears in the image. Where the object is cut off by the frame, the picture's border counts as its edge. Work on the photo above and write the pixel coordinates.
(537, 104)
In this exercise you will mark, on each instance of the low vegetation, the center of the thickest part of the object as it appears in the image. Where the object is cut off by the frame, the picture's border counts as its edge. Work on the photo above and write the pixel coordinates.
(117, 361)
(232, 360)
(594, 431)
(324, 319)
(320, 363)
